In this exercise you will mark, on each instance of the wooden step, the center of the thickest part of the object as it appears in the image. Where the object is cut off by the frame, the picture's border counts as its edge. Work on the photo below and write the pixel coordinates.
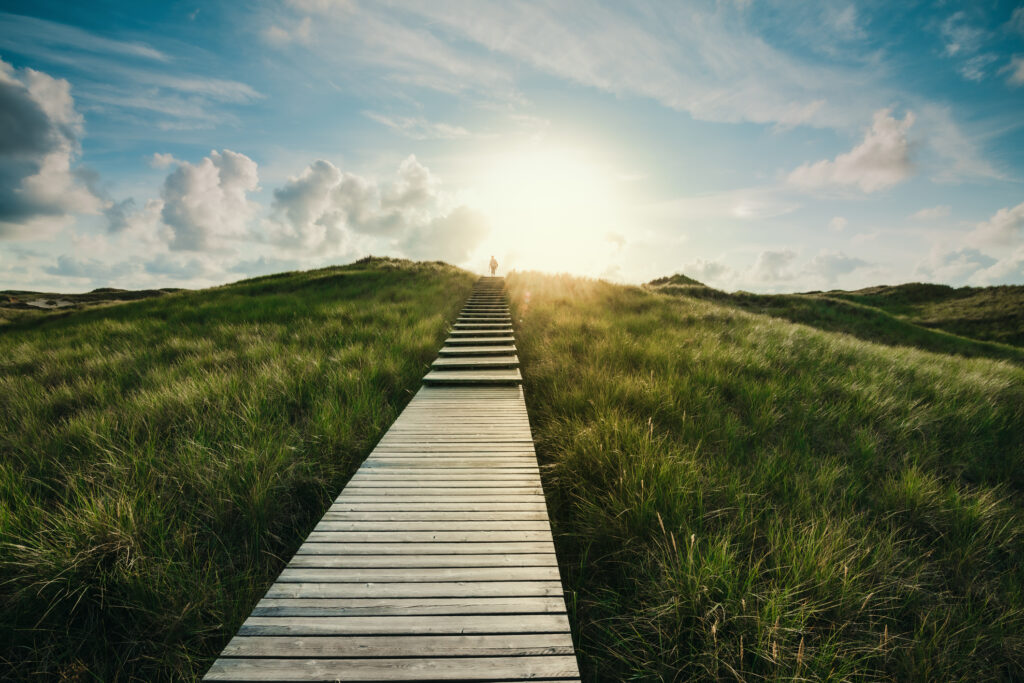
(478, 341)
(476, 363)
(463, 351)
(473, 377)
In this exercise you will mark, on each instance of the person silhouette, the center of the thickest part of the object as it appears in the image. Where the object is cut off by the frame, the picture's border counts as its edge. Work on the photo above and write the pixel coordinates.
(494, 265)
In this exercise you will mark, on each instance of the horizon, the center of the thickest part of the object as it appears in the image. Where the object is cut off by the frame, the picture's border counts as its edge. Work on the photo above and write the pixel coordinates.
(751, 146)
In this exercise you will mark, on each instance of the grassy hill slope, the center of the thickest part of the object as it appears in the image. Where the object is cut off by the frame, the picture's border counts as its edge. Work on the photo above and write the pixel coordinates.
(739, 496)
(160, 460)
(987, 313)
(846, 313)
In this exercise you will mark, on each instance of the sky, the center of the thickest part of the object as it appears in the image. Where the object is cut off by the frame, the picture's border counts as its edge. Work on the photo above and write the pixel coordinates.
(756, 145)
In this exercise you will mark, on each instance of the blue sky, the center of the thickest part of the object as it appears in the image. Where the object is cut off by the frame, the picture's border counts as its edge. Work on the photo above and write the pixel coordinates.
(766, 146)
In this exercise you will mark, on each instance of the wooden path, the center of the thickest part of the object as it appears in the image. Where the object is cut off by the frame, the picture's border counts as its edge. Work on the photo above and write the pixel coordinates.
(436, 562)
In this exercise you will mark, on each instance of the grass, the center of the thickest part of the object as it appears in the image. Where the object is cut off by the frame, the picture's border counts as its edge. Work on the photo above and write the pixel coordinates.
(837, 312)
(737, 496)
(160, 460)
(987, 313)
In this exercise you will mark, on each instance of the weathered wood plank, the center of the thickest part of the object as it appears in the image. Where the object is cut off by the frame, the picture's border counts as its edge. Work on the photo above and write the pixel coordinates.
(501, 645)
(404, 625)
(340, 607)
(295, 574)
(402, 669)
(341, 558)
(443, 589)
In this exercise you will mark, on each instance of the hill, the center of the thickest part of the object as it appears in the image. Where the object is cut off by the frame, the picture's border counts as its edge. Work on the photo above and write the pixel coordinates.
(161, 459)
(986, 313)
(740, 496)
(677, 279)
(973, 322)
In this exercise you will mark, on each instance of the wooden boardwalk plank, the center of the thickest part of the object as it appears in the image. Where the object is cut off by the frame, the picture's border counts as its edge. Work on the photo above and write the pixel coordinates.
(436, 561)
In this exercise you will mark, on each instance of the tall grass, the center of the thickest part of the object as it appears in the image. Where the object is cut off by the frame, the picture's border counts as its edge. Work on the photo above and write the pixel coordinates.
(160, 460)
(736, 496)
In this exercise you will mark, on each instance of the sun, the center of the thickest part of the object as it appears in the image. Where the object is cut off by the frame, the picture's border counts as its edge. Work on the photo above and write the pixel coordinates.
(551, 208)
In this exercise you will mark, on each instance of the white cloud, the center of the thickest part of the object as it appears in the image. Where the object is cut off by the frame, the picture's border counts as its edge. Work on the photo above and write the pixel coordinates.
(324, 208)
(713, 273)
(838, 224)
(830, 265)
(931, 213)
(206, 203)
(159, 160)
(1016, 70)
(418, 128)
(991, 253)
(879, 162)
(16, 29)
(1016, 22)
(773, 266)
(1004, 229)
(953, 267)
(300, 32)
(38, 145)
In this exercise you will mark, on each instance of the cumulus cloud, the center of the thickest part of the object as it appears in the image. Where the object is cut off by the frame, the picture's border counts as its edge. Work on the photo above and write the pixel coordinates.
(931, 213)
(452, 237)
(774, 266)
(991, 253)
(159, 160)
(87, 268)
(954, 267)
(38, 145)
(830, 265)
(206, 203)
(325, 208)
(879, 162)
(712, 273)
(1004, 229)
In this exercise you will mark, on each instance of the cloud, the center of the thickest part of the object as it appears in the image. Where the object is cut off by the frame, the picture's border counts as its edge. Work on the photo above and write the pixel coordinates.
(18, 28)
(159, 160)
(712, 273)
(91, 269)
(451, 238)
(991, 253)
(125, 76)
(180, 267)
(830, 265)
(837, 224)
(325, 208)
(879, 162)
(39, 133)
(418, 128)
(1004, 229)
(954, 267)
(1016, 22)
(206, 203)
(932, 213)
(773, 266)
(1016, 70)
(300, 32)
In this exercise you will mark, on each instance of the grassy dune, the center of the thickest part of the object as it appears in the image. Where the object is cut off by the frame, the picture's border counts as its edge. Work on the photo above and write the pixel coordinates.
(737, 496)
(160, 460)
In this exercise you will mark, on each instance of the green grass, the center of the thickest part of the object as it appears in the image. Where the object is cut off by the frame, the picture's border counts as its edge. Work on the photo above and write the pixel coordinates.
(904, 325)
(737, 496)
(160, 460)
(987, 313)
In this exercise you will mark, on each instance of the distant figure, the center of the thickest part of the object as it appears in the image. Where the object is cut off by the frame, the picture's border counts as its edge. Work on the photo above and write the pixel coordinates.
(494, 265)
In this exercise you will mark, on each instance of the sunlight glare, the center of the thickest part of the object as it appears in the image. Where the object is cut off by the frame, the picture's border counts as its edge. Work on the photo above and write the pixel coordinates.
(551, 209)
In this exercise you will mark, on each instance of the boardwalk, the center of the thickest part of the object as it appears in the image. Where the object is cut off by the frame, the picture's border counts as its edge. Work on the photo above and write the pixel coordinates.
(436, 562)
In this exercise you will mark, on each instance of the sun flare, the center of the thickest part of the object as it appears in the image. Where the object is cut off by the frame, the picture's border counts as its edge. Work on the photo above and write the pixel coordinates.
(551, 208)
